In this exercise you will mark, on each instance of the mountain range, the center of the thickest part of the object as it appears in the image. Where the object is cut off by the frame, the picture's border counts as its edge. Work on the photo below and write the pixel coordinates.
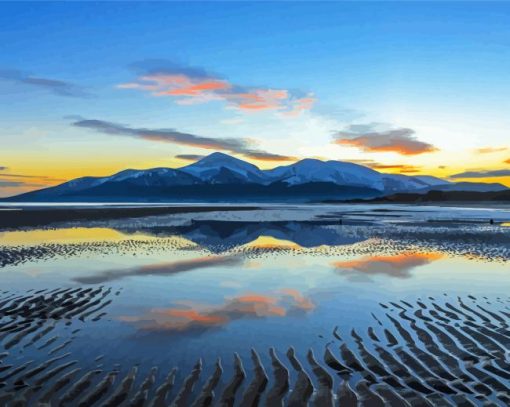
(220, 177)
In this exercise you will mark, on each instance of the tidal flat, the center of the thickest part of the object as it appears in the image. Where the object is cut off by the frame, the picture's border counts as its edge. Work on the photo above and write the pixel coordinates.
(262, 305)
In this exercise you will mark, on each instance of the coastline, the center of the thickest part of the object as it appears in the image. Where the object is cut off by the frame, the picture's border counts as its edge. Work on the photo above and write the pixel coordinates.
(22, 215)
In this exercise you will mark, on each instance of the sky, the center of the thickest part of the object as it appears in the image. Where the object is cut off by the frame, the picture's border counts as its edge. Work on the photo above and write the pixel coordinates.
(90, 89)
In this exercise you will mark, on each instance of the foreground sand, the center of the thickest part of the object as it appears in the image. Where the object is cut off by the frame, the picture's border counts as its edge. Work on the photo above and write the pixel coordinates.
(431, 352)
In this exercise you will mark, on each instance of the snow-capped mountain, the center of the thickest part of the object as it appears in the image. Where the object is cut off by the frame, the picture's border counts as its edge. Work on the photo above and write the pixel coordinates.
(222, 177)
(431, 181)
(155, 177)
(337, 172)
(219, 168)
(400, 182)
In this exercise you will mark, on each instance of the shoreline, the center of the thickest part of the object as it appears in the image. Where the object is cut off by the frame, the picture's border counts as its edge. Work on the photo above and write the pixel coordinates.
(22, 216)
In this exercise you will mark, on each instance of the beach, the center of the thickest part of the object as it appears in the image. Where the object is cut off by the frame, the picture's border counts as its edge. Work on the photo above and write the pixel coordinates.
(274, 305)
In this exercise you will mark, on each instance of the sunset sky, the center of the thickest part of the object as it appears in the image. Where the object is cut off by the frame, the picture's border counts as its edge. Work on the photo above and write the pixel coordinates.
(95, 88)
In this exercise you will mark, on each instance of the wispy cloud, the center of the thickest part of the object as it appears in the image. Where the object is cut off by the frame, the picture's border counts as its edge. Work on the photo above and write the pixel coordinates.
(489, 150)
(190, 317)
(190, 85)
(8, 180)
(20, 184)
(367, 138)
(402, 168)
(32, 177)
(7, 183)
(238, 146)
(189, 157)
(482, 174)
(55, 86)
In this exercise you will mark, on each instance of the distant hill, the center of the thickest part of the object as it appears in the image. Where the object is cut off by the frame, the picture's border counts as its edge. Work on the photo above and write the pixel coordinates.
(443, 196)
(221, 178)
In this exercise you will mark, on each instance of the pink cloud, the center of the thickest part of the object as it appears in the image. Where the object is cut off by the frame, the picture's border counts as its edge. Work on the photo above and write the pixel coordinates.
(190, 86)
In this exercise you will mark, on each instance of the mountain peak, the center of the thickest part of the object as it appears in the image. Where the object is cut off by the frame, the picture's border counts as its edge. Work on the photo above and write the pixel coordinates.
(217, 155)
(213, 167)
(218, 159)
(219, 173)
(309, 161)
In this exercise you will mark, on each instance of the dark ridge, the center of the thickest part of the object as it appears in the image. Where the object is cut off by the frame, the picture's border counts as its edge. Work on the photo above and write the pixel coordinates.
(440, 196)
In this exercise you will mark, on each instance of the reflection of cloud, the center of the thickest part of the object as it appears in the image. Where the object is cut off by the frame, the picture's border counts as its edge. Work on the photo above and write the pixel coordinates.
(164, 269)
(197, 317)
(234, 145)
(398, 266)
(190, 85)
(482, 174)
(367, 138)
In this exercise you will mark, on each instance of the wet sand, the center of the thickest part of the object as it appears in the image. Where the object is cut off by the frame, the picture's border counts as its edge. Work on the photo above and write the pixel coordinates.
(444, 351)
(409, 349)
(13, 216)
(327, 237)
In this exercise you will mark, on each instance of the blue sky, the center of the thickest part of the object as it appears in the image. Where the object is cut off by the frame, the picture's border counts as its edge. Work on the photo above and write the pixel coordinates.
(438, 70)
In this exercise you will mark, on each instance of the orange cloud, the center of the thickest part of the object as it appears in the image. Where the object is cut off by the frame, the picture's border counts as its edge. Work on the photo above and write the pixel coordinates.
(489, 150)
(398, 266)
(192, 85)
(507, 161)
(400, 140)
(197, 317)
(404, 148)
(193, 90)
(402, 168)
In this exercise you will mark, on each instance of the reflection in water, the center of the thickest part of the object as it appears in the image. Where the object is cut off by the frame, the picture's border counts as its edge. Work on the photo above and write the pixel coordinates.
(268, 242)
(398, 266)
(160, 269)
(64, 235)
(218, 236)
(192, 317)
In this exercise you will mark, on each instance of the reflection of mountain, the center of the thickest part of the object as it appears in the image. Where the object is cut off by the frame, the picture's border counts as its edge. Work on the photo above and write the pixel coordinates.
(222, 235)
(399, 265)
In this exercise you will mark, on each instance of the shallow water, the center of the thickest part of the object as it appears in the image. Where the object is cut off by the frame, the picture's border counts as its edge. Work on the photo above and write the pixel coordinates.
(187, 287)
